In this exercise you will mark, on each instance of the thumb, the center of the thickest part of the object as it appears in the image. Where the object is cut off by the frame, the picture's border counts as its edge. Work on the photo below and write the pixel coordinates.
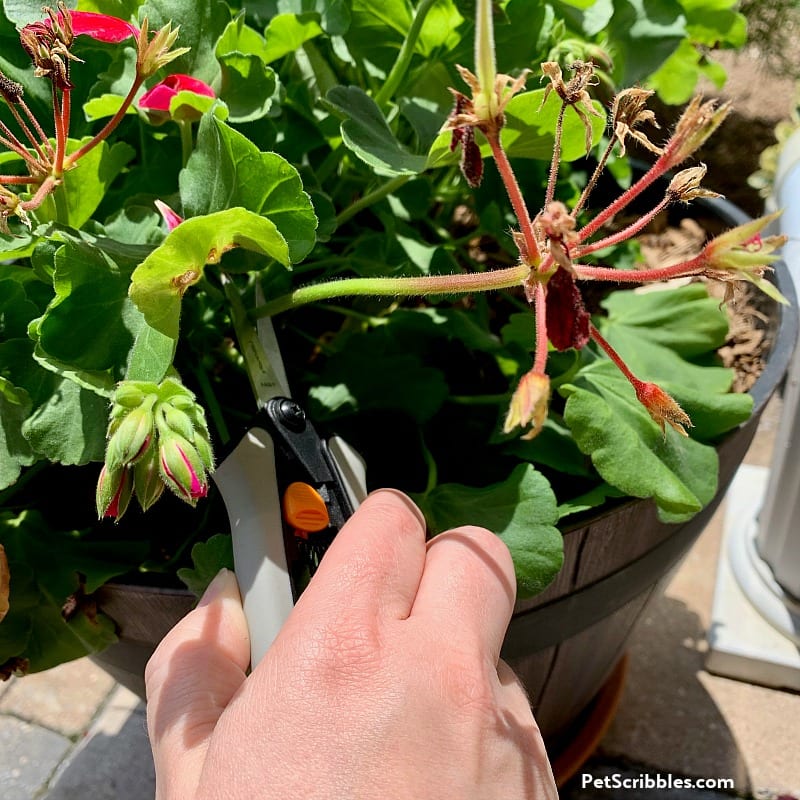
(190, 680)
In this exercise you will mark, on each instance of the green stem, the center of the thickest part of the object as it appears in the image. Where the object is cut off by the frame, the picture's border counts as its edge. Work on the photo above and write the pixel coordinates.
(398, 70)
(187, 145)
(393, 287)
(212, 404)
(515, 195)
(430, 463)
(372, 197)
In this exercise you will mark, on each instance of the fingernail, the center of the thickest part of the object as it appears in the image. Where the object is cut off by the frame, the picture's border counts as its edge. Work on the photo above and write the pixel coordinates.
(218, 586)
(406, 501)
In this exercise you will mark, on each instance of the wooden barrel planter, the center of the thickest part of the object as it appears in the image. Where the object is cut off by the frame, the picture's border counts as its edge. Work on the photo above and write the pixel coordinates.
(566, 642)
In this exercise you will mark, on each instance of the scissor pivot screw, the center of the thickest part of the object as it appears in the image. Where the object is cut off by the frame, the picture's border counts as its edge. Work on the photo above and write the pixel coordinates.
(291, 415)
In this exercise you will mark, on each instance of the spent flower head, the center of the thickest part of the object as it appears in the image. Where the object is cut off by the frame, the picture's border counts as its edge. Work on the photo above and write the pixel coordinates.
(156, 52)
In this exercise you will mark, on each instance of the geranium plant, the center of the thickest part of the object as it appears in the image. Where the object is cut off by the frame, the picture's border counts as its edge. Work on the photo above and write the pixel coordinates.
(323, 151)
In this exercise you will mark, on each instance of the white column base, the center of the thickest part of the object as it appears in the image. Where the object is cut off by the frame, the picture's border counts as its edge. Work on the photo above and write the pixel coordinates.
(755, 628)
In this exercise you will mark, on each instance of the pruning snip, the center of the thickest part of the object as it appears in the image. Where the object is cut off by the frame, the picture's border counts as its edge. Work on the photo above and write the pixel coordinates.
(287, 491)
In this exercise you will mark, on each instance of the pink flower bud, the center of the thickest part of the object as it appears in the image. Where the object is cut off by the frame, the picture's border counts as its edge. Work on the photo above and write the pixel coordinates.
(114, 489)
(131, 436)
(529, 404)
(182, 468)
(169, 216)
(147, 482)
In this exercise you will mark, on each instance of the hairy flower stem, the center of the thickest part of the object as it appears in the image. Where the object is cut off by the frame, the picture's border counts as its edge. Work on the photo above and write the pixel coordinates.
(653, 174)
(37, 146)
(109, 126)
(612, 354)
(624, 234)
(517, 200)
(589, 188)
(400, 67)
(396, 287)
(11, 142)
(61, 133)
(539, 309)
(556, 160)
(47, 186)
(19, 179)
(694, 266)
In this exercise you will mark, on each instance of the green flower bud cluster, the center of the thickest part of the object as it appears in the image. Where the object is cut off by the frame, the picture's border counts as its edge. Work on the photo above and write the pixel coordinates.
(157, 437)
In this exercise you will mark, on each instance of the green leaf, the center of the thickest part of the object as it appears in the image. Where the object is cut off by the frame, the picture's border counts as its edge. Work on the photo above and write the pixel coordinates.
(685, 319)
(45, 566)
(91, 295)
(64, 421)
(521, 511)
(15, 452)
(440, 31)
(208, 558)
(594, 498)
(377, 30)
(106, 105)
(227, 170)
(715, 23)
(83, 188)
(628, 448)
(159, 282)
(247, 84)
(366, 132)
(69, 427)
(553, 447)
(16, 311)
(334, 15)
(660, 333)
(286, 33)
(645, 33)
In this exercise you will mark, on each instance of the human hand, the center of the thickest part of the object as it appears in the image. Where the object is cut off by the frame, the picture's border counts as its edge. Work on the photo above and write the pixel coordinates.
(385, 681)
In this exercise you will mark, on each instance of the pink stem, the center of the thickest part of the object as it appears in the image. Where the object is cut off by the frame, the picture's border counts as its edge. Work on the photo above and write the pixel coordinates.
(540, 312)
(612, 354)
(66, 110)
(28, 133)
(19, 179)
(37, 127)
(624, 234)
(61, 139)
(589, 273)
(515, 195)
(41, 193)
(653, 174)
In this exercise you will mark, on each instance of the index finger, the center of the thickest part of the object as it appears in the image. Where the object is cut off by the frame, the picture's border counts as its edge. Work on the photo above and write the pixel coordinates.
(374, 564)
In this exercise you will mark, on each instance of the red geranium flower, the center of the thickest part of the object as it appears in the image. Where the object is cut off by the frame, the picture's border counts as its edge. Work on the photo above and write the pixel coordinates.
(159, 96)
(101, 27)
